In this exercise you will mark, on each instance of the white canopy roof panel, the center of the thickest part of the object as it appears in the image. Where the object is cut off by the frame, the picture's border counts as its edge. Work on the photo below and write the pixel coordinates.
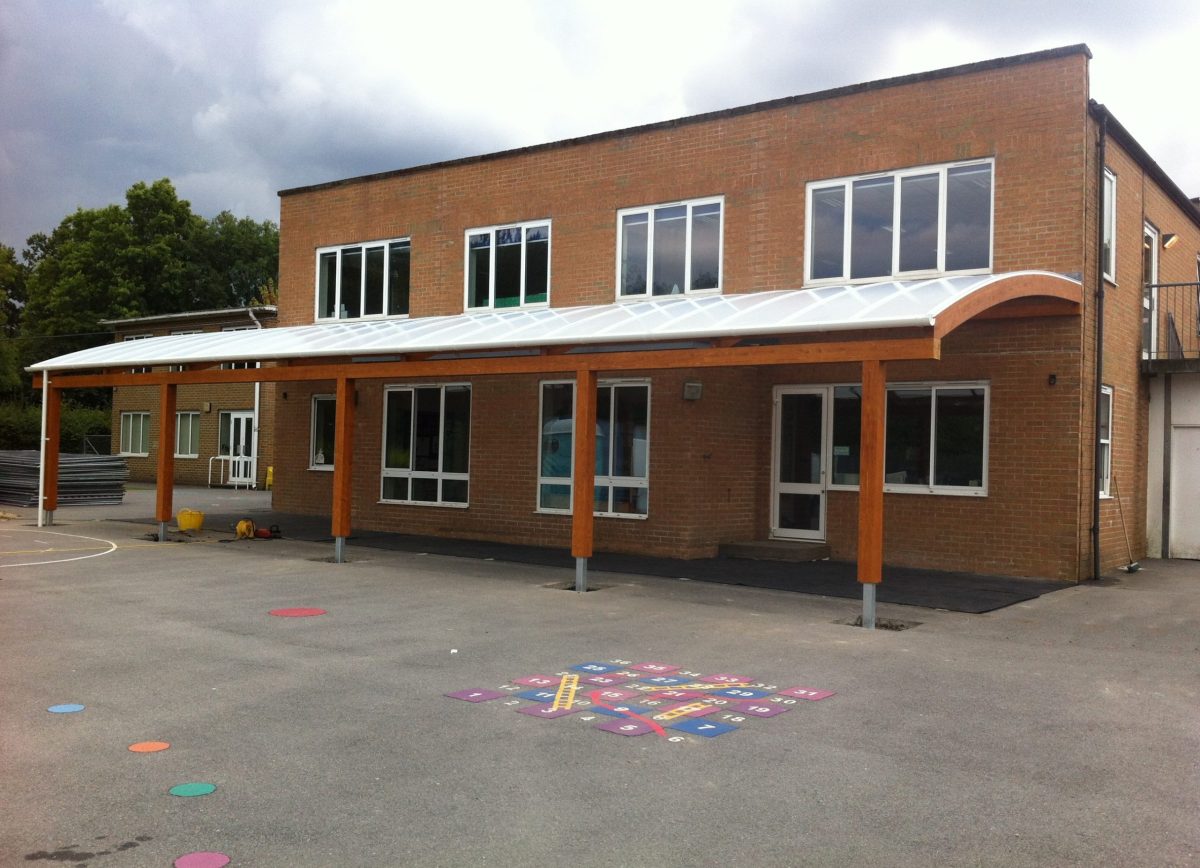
(893, 304)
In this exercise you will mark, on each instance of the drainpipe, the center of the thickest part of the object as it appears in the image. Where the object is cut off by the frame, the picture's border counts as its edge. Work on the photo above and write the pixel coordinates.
(1096, 470)
(257, 397)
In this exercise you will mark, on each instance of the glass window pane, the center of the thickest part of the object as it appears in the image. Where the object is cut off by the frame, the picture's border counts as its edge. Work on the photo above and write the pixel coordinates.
(871, 229)
(959, 437)
(908, 434)
(800, 511)
(425, 490)
(554, 497)
(456, 445)
(670, 238)
(399, 256)
(828, 231)
(706, 246)
(479, 270)
(395, 488)
(556, 430)
(324, 424)
(800, 439)
(454, 490)
(634, 235)
(601, 499)
(351, 283)
(847, 432)
(631, 408)
(428, 424)
(327, 284)
(373, 291)
(537, 264)
(1110, 198)
(603, 426)
(225, 435)
(398, 432)
(629, 500)
(1105, 415)
(508, 267)
(919, 222)
(968, 217)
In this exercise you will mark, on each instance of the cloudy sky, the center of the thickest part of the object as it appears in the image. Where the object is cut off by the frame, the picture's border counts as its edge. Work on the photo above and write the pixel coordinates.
(235, 100)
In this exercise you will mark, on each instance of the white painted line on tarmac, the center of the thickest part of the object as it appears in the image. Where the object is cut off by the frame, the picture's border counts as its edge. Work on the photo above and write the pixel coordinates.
(112, 547)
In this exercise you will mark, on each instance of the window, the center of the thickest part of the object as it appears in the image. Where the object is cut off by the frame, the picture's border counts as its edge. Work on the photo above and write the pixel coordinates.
(1149, 291)
(935, 439)
(324, 419)
(426, 444)
(363, 280)
(1104, 444)
(177, 333)
(669, 249)
(187, 435)
(508, 266)
(238, 365)
(138, 370)
(135, 433)
(622, 448)
(1109, 216)
(935, 219)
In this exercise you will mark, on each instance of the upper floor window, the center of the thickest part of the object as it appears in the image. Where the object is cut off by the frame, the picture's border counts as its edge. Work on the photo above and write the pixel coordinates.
(1109, 218)
(143, 369)
(239, 365)
(669, 249)
(508, 266)
(363, 280)
(927, 220)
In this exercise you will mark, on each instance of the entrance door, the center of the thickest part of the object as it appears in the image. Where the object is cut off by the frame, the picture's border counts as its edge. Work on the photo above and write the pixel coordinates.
(1185, 482)
(237, 442)
(798, 492)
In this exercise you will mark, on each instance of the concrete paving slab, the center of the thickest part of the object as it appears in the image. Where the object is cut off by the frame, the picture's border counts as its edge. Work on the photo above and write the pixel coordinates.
(1058, 731)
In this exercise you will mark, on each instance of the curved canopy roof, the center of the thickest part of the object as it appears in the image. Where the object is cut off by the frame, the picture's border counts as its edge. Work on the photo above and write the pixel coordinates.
(941, 304)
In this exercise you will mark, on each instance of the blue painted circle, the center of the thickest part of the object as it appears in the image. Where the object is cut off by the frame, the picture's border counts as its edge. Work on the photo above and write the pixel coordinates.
(66, 708)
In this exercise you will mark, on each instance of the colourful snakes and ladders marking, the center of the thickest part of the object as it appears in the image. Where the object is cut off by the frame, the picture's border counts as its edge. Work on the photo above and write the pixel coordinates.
(627, 698)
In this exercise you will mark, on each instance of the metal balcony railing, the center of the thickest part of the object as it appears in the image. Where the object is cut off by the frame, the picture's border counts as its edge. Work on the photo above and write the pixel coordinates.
(1171, 322)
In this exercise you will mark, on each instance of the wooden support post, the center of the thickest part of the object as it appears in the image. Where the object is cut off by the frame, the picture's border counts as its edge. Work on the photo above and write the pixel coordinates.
(584, 493)
(343, 467)
(870, 480)
(51, 447)
(165, 484)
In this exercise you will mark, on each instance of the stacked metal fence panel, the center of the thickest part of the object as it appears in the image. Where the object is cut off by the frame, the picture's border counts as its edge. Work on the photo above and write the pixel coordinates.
(82, 479)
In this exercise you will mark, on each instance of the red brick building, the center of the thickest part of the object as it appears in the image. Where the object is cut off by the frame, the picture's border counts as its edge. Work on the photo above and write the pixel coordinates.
(222, 431)
(867, 317)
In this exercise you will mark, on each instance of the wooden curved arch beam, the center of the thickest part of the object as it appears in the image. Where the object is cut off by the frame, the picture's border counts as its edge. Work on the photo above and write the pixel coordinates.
(1043, 294)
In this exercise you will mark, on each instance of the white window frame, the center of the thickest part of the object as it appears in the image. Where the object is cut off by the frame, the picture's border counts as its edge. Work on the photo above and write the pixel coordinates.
(1108, 215)
(491, 232)
(386, 245)
(847, 184)
(239, 365)
(142, 369)
(193, 429)
(933, 386)
(127, 433)
(649, 210)
(1105, 445)
(179, 333)
(440, 475)
(313, 464)
(639, 482)
(1149, 331)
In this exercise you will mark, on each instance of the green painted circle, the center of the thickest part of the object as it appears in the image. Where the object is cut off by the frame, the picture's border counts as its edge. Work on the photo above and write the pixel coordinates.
(193, 789)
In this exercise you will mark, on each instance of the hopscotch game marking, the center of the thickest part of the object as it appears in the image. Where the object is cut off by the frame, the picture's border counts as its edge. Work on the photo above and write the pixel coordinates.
(631, 699)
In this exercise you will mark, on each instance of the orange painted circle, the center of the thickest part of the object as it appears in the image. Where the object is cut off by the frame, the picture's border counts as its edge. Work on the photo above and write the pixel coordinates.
(149, 746)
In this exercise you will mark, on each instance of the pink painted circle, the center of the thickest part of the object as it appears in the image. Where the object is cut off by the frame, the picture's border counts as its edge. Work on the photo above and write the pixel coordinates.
(201, 859)
(296, 612)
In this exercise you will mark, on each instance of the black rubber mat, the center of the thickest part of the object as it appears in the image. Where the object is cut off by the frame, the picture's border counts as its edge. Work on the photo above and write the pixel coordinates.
(931, 589)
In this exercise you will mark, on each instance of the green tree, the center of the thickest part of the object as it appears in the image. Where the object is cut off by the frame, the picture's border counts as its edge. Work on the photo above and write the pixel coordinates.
(12, 298)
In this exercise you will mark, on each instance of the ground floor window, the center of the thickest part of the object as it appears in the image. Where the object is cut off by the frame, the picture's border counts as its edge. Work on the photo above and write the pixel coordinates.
(622, 448)
(135, 433)
(187, 435)
(426, 444)
(935, 440)
(1104, 444)
(324, 418)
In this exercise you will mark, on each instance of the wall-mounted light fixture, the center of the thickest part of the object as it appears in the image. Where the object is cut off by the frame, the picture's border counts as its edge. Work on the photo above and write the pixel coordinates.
(1170, 239)
(692, 391)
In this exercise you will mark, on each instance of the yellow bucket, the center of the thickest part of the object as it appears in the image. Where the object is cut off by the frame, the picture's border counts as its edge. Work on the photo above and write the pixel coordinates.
(190, 519)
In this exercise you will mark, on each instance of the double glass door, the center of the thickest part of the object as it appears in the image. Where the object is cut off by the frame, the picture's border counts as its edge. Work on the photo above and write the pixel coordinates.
(798, 459)
(237, 442)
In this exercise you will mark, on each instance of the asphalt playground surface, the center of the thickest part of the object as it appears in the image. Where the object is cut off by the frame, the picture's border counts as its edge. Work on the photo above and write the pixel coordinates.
(1061, 730)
